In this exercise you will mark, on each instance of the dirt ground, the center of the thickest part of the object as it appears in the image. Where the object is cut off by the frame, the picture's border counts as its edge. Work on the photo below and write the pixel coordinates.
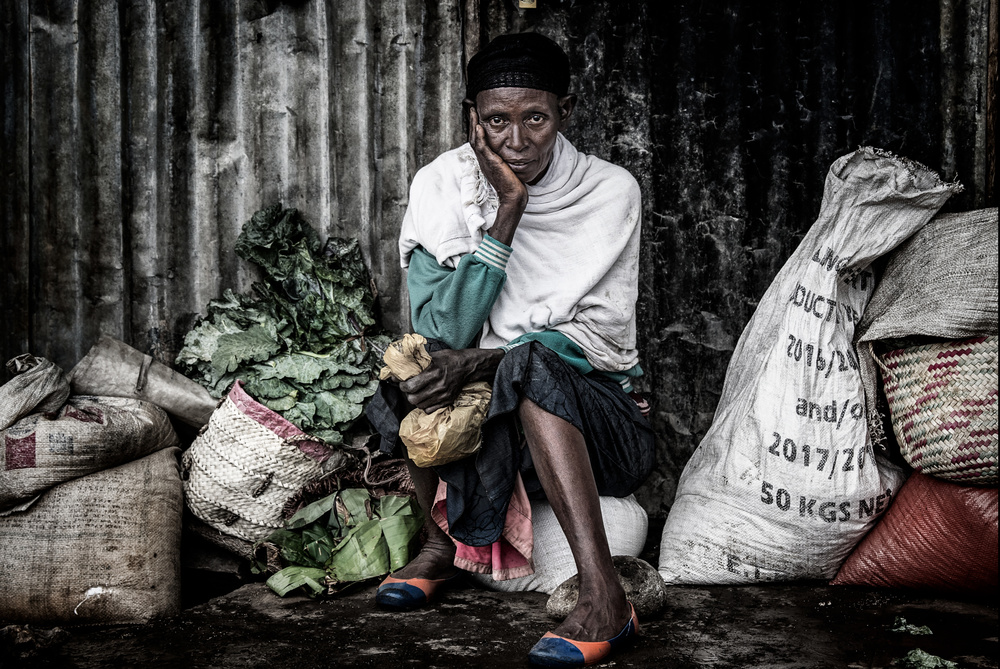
(774, 626)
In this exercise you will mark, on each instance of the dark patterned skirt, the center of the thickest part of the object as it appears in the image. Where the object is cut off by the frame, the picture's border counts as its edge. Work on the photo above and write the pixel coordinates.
(619, 439)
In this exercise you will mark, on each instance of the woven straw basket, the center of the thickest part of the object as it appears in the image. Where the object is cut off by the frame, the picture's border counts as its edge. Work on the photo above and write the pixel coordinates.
(943, 402)
(245, 465)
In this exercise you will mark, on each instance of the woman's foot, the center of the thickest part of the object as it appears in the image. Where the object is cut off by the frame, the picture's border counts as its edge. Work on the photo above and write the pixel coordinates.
(553, 650)
(416, 584)
(600, 614)
(436, 560)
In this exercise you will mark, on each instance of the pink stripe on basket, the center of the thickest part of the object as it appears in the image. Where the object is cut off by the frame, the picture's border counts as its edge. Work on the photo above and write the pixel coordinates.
(986, 402)
(979, 443)
(277, 423)
(953, 353)
(954, 425)
(934, 385)
(968, 475)
(975, 469)
(943, 366)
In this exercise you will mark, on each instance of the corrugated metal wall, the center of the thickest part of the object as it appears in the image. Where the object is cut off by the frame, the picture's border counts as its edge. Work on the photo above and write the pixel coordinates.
(139, 136)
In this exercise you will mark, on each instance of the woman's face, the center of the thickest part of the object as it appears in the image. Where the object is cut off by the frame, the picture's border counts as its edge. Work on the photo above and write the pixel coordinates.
(521, 127)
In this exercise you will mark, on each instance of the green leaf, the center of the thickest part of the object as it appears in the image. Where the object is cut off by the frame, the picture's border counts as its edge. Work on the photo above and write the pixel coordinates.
(312, 512)
(397, 505)
(333, 408)
(399, 532)
(303, 368)
(331, 437)
(281, 404)
(292, 548)
(920, 659)
(900, 625)
(401, 519)
(362, 554)
(317, 543)
(292, 578)
(301, 415)
(267, 388)
(354, 506)
(254, 344)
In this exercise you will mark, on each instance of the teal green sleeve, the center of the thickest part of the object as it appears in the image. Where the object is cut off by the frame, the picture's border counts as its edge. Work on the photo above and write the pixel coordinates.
(573, 355)
(452, 304)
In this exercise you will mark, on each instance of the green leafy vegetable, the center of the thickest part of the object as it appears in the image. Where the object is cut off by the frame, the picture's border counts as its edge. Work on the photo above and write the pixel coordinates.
(292, 578)
(900, 625)
(919, 659)
(301, 344)
(347, 536)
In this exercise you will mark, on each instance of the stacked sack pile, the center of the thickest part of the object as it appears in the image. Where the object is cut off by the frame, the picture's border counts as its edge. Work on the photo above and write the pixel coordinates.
(788, 480)
(930, 336)
(90, 490)
(799, 476)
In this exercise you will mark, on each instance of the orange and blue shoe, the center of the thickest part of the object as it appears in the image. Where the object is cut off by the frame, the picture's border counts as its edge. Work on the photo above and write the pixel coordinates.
(406, 594)
(553, 650)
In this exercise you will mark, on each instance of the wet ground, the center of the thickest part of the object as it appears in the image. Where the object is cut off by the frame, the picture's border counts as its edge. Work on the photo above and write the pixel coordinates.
(774, 626)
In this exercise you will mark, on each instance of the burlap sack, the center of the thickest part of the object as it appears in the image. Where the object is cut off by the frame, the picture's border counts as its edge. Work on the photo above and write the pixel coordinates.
(941, 283)
(103, 548)
(37, 387)
(87, 435)
(114, 369)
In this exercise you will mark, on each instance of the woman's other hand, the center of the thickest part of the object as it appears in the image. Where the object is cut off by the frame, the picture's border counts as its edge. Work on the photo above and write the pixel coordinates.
(450, 370)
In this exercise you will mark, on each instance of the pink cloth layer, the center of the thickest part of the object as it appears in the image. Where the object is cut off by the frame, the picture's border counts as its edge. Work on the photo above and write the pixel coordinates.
(508, 557)
(277, 423)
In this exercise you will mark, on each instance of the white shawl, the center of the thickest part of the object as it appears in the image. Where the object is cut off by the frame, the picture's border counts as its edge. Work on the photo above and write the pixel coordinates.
(574, 267)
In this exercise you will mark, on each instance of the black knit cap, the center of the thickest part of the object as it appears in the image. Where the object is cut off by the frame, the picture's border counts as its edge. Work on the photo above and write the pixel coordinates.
(521, 60)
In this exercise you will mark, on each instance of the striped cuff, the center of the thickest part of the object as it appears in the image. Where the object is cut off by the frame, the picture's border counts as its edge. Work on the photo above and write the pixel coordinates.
(493, 253)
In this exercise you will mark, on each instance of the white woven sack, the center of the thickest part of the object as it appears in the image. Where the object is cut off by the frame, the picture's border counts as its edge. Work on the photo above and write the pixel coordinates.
(238, 474)
(786, 482)
(625, 523)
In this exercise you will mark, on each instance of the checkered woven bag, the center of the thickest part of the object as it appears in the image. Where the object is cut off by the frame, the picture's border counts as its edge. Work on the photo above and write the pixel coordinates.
(246, 464)
(943, 402)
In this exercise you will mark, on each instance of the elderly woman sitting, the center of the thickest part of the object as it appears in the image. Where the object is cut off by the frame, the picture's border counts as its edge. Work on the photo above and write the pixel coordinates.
(522, 258)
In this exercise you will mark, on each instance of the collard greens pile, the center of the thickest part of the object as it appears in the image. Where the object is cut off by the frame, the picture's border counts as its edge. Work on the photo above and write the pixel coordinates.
(300, 343)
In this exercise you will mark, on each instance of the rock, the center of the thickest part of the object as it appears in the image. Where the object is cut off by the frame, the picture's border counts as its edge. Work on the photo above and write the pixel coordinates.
(643, 585)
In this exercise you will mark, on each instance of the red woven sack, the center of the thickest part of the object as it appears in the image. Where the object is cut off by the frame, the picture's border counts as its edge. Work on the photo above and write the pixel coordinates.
(936, 535)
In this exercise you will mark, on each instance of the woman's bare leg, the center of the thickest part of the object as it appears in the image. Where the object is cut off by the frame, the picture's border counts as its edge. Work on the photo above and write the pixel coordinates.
(437, 558)
(559, 453)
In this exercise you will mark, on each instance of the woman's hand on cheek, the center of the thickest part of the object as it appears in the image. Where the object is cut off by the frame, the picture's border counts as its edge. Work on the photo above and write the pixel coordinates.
(511, 191)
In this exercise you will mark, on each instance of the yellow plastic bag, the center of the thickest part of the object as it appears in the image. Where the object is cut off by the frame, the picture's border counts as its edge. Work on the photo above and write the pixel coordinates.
(405, 358)
(448, 434)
